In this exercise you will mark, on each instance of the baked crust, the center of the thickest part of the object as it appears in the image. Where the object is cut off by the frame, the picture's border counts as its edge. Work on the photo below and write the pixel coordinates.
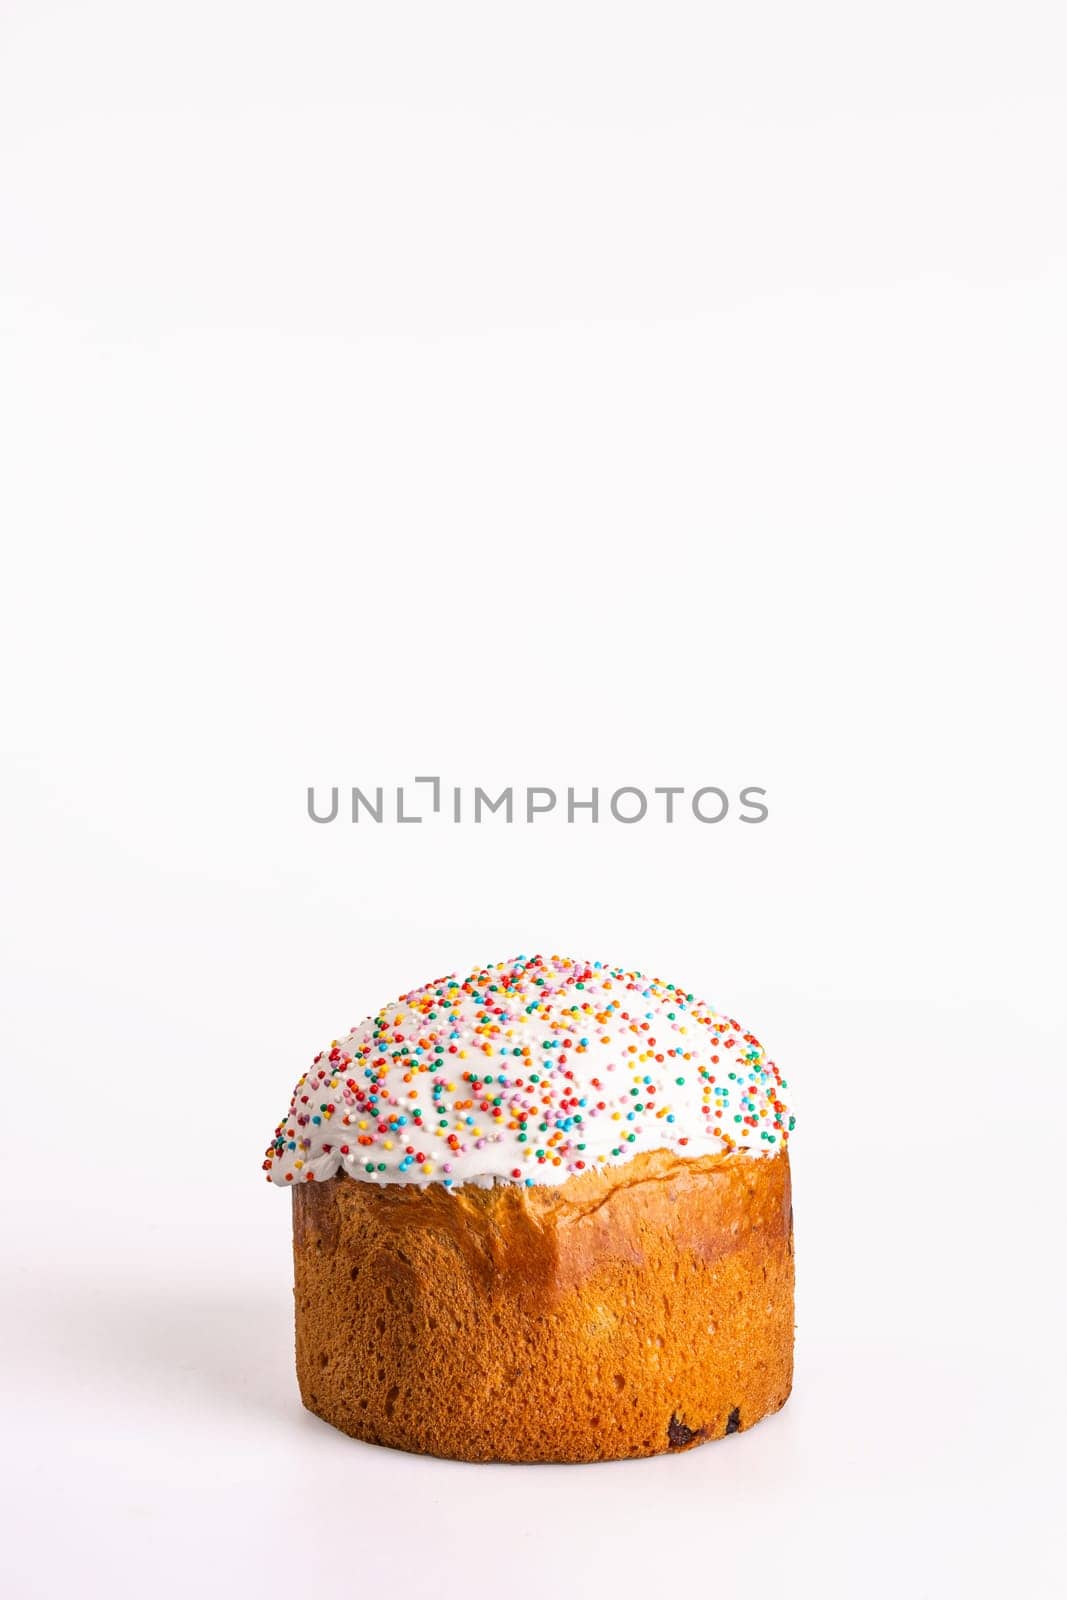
(633, 1310)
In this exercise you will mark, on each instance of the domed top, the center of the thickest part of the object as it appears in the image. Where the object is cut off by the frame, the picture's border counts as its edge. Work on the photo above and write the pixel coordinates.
(529, 1072)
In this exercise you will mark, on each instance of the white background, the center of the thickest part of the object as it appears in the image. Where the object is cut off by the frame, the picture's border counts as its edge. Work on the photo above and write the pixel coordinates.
(573, 393)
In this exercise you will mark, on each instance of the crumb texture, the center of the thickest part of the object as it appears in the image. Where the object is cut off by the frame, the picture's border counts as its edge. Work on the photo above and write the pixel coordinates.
(624, 1313)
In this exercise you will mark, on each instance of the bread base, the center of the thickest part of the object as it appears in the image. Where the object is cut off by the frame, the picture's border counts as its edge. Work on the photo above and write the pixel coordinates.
(628, 1312)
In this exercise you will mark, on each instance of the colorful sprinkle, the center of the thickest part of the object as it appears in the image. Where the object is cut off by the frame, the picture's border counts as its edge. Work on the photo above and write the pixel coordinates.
(395, 1087)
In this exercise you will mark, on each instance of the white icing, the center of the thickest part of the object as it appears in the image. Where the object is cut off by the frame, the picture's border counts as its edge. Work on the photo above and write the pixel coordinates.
(575, 1065)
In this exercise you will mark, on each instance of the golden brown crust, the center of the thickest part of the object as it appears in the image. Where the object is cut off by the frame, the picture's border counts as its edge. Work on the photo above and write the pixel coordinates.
(627, 1312)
